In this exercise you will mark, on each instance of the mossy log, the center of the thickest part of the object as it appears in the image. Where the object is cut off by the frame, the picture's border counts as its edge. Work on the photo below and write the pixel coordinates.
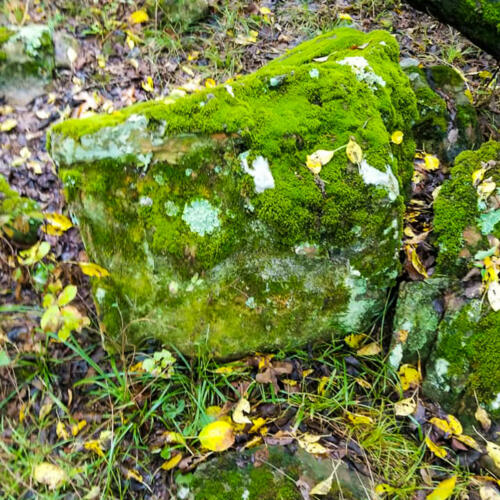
(478, 20)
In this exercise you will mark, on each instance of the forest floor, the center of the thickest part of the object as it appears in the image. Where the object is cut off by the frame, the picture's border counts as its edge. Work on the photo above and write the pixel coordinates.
(121, 428)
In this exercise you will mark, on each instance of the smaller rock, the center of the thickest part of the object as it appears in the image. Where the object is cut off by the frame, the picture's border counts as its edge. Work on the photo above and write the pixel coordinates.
(180, 13)
(65, 48)
(271, 473)
(20, 217)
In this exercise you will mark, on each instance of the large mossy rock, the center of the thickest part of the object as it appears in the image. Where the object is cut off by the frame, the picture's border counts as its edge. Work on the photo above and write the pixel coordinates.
(479, 20)
(461, 360)
(179, 13)
(273, 473)
(26, 62)
(214, 230)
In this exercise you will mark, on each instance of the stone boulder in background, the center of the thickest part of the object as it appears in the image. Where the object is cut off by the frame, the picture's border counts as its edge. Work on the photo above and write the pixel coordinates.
(478, 20)
(215, 231)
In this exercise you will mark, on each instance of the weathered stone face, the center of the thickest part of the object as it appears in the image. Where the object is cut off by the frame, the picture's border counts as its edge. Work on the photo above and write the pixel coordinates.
(26, 62)
(214, 230)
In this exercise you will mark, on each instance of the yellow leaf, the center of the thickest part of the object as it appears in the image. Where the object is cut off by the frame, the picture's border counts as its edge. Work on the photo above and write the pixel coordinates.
(319, 158)
(412, 254)
(431, 162)
(75, 429)
(354, 340)
(469, 96)
(486, 188)
(483, 418)
(371, 349)
(148, 85)
(358, 419)
(173, 462)
(34, 254)
(242, 407)
(478, 176)
(8, 125)
(455, 426)
(405, 407)
(175, 437)
(93, 270)
(354, 151)
(58, 222)
(409, 377)
(363, 383)
(309, 443)
(470, 442)
(444, 489)
(485, 75)
(217, 436)
(397, 137)
(257, 424)
(210, 83)
(344, 17)
(265, 11)
(138, 17)
(322, 385)
(382, 489)
(49, 474)
(493, 451)
(324, 487)
(61, 431)
(133, 474)
(95, 446)
(441, 424)
(439, 451)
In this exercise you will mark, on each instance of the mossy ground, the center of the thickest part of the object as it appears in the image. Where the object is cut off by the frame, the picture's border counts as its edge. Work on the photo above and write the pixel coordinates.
(285, 111)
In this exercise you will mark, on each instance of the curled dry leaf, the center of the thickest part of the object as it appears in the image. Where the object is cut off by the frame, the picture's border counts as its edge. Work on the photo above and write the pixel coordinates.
(493, 451)
(354, 151)
(439, 451)
(324, 487)
(405, 407)
(315, 161)
(49, 474)
(309, 443)
(483, 418)
(371, 349)
(242, 407)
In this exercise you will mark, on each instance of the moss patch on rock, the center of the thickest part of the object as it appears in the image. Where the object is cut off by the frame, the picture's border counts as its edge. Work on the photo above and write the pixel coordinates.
(20, 217)
(462, 221)
(214, 230)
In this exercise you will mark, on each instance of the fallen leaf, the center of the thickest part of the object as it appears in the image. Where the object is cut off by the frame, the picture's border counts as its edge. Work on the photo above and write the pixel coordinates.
(242, 407)
(309, 443)
(409, 376)
(382, 489)
(478, 176)
(133, 474)
(318, 159)
(75, 429)
(494, 295)
(34, 254)
(489, 493)
(371, 349)
(67, 295)
(439, 451)
(444, 489)
(486, 188)
(354, 340)
(93, 270)
(411, 253)
(470, 442)
(431, 162)
(217, 436)
(441, 424)
(49, 474)
(148, 85)
(455, 425)
(405, 407)
(95, 446)
(173, 462)
(483, 418)
(61, 431)
(57, 224)
(493, 451)
(138, 17)
(354, 151)
(358, 419)
(8, 125)
(324, 487)
(397, 137)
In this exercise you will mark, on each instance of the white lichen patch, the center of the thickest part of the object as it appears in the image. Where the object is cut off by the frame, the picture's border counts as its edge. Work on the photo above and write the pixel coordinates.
(100, 294)
(171, 209)
(376, 177)
(145, 201)
(495, 404)
(201, 217)
(363, 71)
(260, 171)
(396, 356)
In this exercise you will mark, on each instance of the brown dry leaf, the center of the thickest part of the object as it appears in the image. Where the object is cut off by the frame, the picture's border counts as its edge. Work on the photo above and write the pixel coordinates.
(483, 418)
(49, 474)
(371, 349)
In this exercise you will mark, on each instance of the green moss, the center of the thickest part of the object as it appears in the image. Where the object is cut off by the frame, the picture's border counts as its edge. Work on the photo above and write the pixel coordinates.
(469, 342)
(5, 34)
(456, 208)
(131, 176)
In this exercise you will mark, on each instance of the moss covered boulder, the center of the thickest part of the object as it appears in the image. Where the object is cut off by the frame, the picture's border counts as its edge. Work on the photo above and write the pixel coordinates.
(479, 20)
(214, 230)
(443, 129)
(273, 473)
(179, 13)
(451, 322)
(20, 217)
(26, 62)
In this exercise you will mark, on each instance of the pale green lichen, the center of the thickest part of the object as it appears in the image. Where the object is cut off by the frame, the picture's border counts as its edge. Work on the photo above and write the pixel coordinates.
(201, 217)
